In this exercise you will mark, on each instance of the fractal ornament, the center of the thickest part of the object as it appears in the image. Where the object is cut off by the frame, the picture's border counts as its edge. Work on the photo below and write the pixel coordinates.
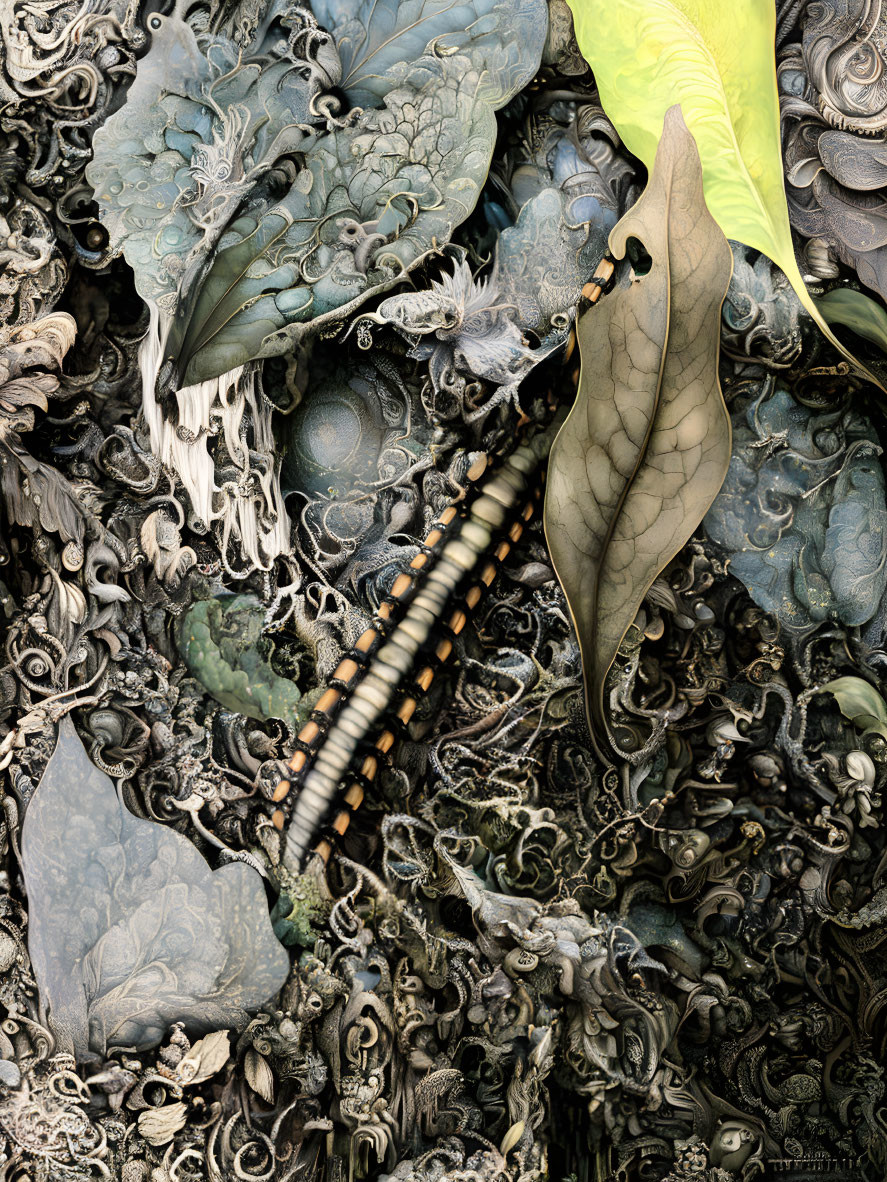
(443, 583)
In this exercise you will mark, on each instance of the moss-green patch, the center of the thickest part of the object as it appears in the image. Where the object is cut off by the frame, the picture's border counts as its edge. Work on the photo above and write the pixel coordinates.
(225, 648)
(301, 910)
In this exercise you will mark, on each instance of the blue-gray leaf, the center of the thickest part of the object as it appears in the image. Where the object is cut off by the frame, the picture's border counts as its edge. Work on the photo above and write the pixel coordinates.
(234, 268)
(129, 929)
(803, 512)
(374, 36)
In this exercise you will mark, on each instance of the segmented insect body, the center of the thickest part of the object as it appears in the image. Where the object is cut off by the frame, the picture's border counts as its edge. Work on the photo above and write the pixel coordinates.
(412, 634)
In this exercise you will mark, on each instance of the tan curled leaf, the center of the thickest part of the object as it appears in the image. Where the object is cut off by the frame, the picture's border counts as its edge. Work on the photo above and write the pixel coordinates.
(512, 1137)
(159, 1125)
(259, 1075)
(646, 446)
(206, 1057)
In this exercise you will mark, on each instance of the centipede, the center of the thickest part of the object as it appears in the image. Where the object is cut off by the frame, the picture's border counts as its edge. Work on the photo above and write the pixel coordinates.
(413, 634)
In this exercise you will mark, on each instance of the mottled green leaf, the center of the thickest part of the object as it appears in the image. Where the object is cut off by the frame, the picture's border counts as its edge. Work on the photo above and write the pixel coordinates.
(647, 444)
(718, 62)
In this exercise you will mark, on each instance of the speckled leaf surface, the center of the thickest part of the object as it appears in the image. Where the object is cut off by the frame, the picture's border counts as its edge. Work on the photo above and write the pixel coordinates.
(129, 928)
(647, 444)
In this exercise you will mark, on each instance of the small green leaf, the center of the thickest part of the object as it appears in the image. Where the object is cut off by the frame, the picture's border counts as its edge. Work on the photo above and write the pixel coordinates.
(858, 312)
(718, 62)
(224, 647)
(860, 702)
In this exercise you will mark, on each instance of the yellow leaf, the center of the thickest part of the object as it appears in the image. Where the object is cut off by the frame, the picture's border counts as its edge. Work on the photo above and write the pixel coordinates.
(717, 60)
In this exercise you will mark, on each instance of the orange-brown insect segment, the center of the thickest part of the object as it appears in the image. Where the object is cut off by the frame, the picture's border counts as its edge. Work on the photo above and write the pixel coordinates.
(419, 561)
(354, 796)
(280, 791)
(385, 741)
(323, 849)
(472, 598)
(365, 640)
(298, 761)
(515, 532)
(277, 819)
(425, 678)
(478, 468)
(401, 585)
(346, 670)
(457, 622)
(593, 290)
(406, 709)
(328, 699)
(309, 732)
(443, 650)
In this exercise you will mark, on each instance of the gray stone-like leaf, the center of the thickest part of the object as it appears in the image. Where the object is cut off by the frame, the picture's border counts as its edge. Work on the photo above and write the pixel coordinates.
(646, 446)
(803, 511)
(130, 930)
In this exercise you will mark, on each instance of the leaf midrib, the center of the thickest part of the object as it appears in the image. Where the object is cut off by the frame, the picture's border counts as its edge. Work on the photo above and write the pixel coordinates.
(201, 343)
(642, 453)
(357, 71)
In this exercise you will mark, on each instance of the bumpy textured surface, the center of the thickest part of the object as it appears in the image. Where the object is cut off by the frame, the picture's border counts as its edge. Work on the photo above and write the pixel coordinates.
(524, 960)
(130, 930)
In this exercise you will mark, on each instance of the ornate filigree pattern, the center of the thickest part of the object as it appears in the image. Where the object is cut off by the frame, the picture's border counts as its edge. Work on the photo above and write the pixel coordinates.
(520, 962)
